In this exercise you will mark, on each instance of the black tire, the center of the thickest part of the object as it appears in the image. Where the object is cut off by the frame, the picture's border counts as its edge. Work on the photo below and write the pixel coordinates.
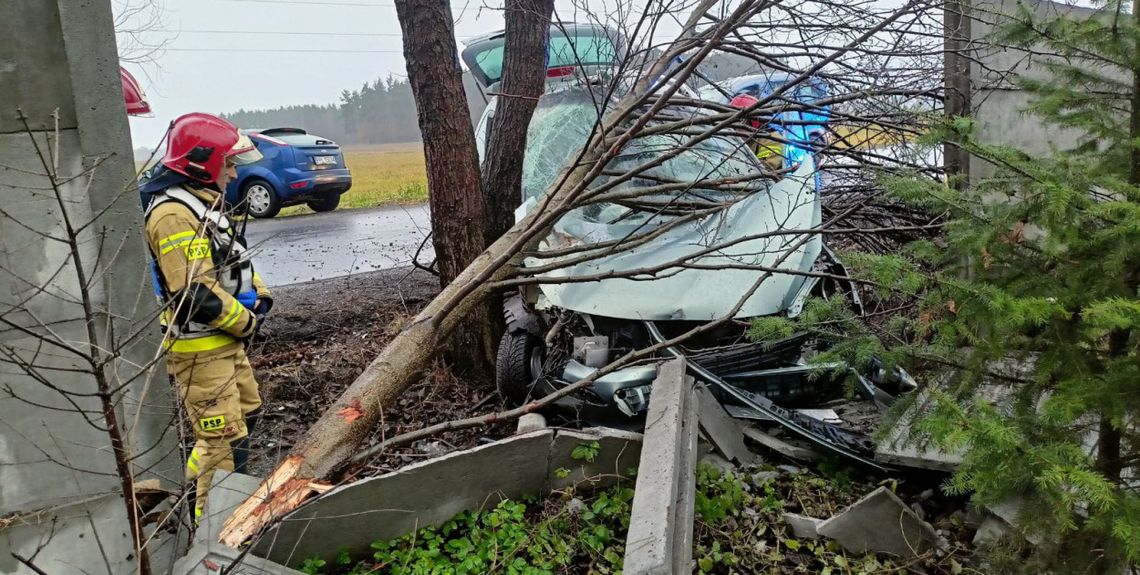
(260, 199)
(325, 204)
(514, 376)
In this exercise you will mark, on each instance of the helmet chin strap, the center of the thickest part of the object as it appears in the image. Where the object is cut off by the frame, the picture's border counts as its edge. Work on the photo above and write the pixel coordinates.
(211, 187)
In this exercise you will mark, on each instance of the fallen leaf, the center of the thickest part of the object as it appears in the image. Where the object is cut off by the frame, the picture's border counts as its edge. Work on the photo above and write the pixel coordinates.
(987, 259)
(352, 412)
(210, 565)
(953, 307)
(1018, 232)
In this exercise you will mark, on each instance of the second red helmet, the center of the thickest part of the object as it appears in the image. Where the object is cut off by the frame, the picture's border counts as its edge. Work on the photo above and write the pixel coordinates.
(133, 94)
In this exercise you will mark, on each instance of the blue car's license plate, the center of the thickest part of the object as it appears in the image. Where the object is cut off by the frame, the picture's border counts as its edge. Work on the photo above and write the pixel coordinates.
(324, 160)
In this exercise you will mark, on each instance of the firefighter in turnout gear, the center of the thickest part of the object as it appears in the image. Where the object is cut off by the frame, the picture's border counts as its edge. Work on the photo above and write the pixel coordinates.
(768, 150)
(214, 301)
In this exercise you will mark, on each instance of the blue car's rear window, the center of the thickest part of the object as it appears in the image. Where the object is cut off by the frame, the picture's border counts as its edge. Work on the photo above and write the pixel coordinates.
(303, 140)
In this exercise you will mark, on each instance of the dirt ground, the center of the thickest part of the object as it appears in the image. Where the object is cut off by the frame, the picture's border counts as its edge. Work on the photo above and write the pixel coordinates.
(321, 335)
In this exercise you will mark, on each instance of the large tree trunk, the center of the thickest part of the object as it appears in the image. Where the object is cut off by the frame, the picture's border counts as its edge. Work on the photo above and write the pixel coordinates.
(458, 211)
(524, 78)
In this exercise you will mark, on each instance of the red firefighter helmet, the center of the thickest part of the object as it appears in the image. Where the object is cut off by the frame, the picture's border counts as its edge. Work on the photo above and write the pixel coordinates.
(133, 94)
(199, 144)
(742, 101)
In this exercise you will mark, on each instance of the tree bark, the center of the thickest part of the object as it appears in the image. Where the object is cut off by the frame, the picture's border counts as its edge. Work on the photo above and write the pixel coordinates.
(524, 79)
(1109, 460)
(458, 211)
(957, 28)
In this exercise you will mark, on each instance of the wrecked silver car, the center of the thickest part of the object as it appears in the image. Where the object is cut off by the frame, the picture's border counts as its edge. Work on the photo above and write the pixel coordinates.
(623, 275)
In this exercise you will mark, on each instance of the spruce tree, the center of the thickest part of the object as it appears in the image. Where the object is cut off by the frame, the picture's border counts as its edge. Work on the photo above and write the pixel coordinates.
(1026, 314)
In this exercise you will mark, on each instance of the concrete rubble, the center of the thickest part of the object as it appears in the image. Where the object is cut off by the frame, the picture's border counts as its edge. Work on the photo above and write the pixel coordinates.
(803, 527)
(659, 540)
(721, 429)
(883, 523)
(530, 422)
(789, 450)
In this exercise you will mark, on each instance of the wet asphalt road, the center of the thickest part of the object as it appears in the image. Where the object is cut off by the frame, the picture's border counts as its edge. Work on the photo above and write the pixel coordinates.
(345, 242)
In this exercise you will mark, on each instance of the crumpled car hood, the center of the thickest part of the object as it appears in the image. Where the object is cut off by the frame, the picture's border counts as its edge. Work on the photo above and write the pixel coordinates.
(681, 293)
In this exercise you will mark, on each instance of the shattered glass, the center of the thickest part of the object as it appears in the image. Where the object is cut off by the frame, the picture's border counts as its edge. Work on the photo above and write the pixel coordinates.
(721, 255)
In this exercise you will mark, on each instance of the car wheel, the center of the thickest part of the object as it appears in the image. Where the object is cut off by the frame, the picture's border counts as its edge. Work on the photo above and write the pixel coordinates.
(325, 204)
(517, 366)
(261, 199)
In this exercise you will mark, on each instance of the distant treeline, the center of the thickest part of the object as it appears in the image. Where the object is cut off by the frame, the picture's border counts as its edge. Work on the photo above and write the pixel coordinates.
(380, 112)
(384, 112)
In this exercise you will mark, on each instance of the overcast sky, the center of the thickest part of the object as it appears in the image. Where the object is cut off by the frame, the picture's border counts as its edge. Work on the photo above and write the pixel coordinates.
(345, 44)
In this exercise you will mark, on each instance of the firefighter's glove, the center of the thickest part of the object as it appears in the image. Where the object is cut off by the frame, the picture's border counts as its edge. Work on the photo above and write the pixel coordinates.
(260, 332)
(261, 309)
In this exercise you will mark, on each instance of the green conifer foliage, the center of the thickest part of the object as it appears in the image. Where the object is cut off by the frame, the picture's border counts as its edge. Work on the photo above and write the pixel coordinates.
(1026, 313)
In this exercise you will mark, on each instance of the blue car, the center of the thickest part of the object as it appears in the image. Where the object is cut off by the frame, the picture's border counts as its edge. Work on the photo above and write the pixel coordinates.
(297, 168)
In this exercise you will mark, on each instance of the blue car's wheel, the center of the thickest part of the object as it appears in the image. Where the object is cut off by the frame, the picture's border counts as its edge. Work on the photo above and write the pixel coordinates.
(261, 199)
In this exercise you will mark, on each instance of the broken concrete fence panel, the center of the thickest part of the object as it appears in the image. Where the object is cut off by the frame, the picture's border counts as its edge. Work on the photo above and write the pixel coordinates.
(420, 495)
(780, 446)
(715, 460)
(992, 529)
(660, 523)
(724, 432)
(530, 422)
(215, 558)
(803, 527)
(899, 448)
(227, 491)
(207, 556)
(882, 523)
(686, 502)
(617, 454)
(1009, 512)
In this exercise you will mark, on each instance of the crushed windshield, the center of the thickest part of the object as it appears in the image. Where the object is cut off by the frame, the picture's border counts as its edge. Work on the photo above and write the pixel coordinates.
(562, 124)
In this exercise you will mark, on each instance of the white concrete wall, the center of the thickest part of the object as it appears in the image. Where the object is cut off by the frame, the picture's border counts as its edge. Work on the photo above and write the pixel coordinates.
(999, 105)
(59, 57)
